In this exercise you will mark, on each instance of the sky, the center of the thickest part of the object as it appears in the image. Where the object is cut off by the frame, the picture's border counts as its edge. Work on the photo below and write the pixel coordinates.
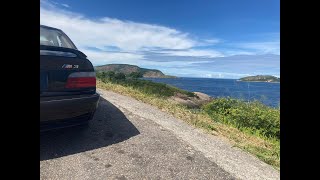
(194, 38)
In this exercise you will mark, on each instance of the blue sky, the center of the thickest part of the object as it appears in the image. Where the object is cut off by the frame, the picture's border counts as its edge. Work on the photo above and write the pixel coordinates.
(207, 38)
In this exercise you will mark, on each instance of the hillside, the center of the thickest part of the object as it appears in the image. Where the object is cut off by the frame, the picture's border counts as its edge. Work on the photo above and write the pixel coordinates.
(128, 69)
(261, 78)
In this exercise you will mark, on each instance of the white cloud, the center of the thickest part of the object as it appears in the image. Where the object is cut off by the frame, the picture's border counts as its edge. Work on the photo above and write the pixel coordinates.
(65, 5)
(101, 58)
(237, 52)
(50, 3)
(262, 47)
(126, 35)
(193, 52)
(212, 41)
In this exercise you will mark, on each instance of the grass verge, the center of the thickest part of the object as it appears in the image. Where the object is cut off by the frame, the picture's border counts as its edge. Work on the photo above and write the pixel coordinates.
(266, 148)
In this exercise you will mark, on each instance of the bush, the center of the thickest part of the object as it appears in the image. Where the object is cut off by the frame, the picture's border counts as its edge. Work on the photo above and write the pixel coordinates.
(249, 116)
(119, 76)
(110, 76)
(135, 75)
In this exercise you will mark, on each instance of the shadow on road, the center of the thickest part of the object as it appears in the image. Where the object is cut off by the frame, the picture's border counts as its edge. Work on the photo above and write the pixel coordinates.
(108, 126)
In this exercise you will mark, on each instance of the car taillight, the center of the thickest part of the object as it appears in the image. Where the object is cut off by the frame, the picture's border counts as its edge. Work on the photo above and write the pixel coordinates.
(81, 80)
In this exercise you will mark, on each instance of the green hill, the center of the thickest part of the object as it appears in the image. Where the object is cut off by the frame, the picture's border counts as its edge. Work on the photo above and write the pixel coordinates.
(261, 78)
(128, 69)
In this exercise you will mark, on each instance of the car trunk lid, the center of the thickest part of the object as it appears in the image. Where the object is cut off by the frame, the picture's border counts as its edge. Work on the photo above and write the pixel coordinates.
(65, 71)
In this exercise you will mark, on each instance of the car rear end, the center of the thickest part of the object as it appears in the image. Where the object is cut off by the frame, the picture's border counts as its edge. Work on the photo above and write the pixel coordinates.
(67, 82)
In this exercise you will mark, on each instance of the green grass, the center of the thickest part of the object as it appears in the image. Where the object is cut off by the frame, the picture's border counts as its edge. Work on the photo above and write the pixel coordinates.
(233, 120)
(254, 117)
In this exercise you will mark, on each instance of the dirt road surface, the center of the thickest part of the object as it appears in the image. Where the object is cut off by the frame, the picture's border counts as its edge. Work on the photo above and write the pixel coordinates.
(128, 139)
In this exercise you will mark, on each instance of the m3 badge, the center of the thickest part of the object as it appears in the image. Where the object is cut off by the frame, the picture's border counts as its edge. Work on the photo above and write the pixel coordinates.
(70, 66)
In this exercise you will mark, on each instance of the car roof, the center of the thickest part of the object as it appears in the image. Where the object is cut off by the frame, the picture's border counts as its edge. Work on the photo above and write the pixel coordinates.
(48, 27)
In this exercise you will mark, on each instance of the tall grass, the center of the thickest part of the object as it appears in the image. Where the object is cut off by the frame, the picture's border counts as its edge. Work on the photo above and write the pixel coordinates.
(254, 117)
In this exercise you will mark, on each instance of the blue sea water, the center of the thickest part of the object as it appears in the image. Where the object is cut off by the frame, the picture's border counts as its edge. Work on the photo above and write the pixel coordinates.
(267, 93)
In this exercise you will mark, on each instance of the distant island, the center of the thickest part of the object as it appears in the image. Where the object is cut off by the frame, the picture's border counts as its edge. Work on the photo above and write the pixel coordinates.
(260, 78)
(128, 69)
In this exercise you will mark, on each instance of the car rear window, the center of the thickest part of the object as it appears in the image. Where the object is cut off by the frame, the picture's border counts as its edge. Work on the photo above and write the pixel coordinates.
(52, 37)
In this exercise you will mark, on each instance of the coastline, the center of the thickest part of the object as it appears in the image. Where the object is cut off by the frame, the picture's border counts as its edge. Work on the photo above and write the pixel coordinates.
(257, 81)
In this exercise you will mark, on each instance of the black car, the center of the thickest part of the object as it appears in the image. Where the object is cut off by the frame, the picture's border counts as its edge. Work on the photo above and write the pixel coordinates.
(67, 82)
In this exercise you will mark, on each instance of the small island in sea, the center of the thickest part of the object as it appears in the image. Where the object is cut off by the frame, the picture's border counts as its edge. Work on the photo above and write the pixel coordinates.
(260, 78)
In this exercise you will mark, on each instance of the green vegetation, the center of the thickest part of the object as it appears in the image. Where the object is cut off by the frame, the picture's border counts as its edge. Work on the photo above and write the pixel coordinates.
(261, 78)
(254, 117)
(129, 69)
(136, 75)
(145, 86)
(251, 126)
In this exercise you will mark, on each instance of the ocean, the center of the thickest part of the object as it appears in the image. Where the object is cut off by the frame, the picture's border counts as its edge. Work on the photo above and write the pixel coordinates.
(267, 93)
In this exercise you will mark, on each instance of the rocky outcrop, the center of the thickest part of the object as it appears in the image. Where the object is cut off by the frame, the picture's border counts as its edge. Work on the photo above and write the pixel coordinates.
(193, 102)
(153, 74)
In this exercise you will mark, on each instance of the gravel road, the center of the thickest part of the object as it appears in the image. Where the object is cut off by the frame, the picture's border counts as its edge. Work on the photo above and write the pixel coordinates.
(128, 139)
